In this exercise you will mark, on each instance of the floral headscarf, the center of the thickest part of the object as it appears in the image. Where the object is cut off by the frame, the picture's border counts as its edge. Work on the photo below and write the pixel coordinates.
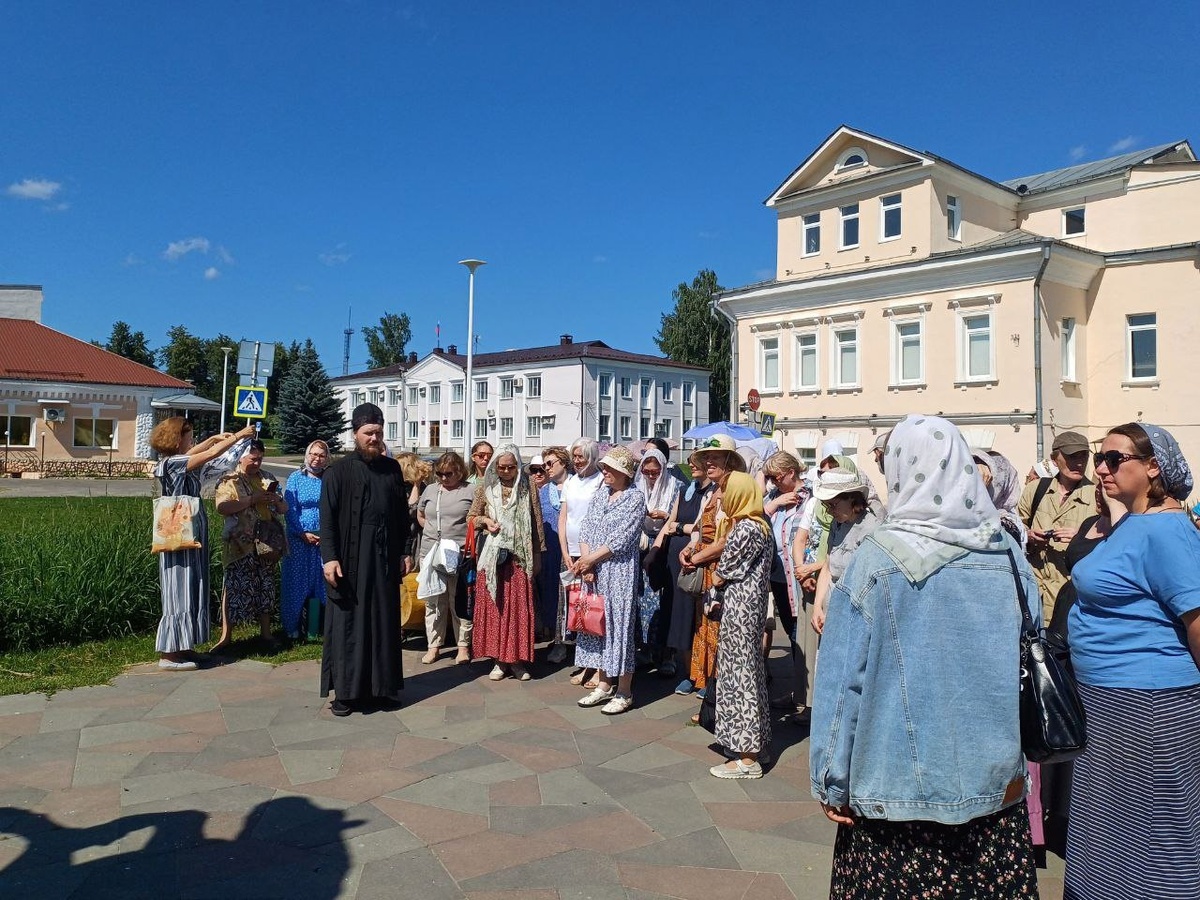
(1174, 468)
(513, 514)
(742, 500)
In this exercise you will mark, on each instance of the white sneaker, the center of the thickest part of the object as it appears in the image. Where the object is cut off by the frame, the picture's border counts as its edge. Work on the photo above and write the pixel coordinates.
(497, 673)
(520, 673)
(597, 697)
(181, 665)
(618, 704)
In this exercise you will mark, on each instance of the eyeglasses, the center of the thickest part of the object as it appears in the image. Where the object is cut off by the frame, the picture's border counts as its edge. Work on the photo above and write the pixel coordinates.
(445, 474)
(506, 468)
(1112, 459)
(536, 470)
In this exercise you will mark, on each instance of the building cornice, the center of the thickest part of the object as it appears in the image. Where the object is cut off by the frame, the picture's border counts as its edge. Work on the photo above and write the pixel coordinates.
(861, 188)
(1074, 193)
(1172, 253)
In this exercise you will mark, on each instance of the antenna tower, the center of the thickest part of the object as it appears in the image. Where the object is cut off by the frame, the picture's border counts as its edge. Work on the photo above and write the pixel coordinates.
(349, 332)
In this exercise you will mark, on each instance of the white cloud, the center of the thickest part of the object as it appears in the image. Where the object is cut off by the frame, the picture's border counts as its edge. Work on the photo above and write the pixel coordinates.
(335, 257)
(599, 258)
(131, 259)
(176, 250)
(212, 273)
(1077, 152)
(1125, 143)
(34, 189)
(224, 255)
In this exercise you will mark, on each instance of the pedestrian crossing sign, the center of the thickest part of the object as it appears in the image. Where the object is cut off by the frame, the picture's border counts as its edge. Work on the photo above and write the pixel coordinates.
(250, 402)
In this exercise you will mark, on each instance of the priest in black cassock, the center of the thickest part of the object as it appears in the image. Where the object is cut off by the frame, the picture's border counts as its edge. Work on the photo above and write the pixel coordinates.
(364, 525)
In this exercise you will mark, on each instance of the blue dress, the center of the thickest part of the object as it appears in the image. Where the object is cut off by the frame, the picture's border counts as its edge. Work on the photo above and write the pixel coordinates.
(618, 526)
(302, 569)
(548, 578)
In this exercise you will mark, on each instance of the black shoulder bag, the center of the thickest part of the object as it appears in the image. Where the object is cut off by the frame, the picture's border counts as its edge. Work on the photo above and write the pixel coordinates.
(1053, 725)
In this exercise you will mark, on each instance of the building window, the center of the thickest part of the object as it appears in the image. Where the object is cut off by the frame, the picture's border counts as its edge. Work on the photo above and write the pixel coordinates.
(456, 429)
(807, 455)
(806, 361)
(356, 398)
(953, 218)
(506, 427)
(644, 390)
(645, 431)
(481, 391)
(812, 234)
(97, 433)
(1073, 222)
(975, 351)
(605, 427)
(845, 358)
(456, 392)
(664, 429)
(413, 395)
(849, 226)
(393, 397)
(605, 384)
(908, 354)
(689, 392)
(393, 430)
(533, 426)
(626, 424)
(506, 388)
(435, 393)
(626, 389)
(889, 217)
(18, 430)
(666, 391)
(768, 364)
(1142, 345)
(853, 158)
(412, 431)
(687, 425)
(481, 428)
(1067, 338)
(533, 386)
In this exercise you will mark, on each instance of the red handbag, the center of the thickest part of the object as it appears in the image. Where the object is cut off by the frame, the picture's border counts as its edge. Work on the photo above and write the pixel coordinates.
(585, 610)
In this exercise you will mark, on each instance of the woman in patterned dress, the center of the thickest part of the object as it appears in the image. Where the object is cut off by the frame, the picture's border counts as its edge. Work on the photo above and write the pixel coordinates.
(741, 582)
(608, 561)
(510, 512)
(303, 575)
(183, 467)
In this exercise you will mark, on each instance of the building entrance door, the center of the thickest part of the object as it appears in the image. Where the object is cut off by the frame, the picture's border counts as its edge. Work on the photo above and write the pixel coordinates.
(435, 434)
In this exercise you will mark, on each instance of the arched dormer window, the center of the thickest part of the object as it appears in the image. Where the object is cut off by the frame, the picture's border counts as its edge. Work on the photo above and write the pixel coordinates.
(854, 158)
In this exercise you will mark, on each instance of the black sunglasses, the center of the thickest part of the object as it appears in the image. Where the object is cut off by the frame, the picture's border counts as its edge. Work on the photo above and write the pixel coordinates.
(536, 470)
(1113, 459)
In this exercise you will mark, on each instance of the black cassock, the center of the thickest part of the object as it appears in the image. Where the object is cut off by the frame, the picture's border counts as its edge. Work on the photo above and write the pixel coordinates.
(364, 525)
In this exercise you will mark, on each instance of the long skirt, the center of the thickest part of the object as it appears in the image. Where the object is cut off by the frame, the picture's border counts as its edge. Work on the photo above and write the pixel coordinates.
(704, 646)
(743, 713)
(989, 858)
(249, 589)
(303, 577)
(614, 653)
(503, 626)
(1134, 827)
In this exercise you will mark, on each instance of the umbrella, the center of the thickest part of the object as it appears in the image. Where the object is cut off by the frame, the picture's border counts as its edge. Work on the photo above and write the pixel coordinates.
(712, 429)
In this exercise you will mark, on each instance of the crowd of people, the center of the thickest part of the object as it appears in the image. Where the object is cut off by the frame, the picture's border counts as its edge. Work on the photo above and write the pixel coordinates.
(902, 619)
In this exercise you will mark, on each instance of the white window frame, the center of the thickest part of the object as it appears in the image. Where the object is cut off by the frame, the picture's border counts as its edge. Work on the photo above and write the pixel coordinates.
(112, 445)
(394, 396)
(457, 391)
(481, 428)
(435, 393)
(844, 164)
(356, 397)
(506, 387)
(953, 218)
(506, 426)
(665, 390)
(645, 392)
(373, 396)
(1066, 337)
(6, 426)
(481, 389)
(898, 341)
(626, 428)
(533, 426)
(763, 354)
(890, 203)
(799, 352)
(414, 395)
(1130, 328)
(645, 426)
(835, 358)
(689, 392)
(457, 432)
(414, 430)
(964, 347)
(1082, 210)
(605, 426)
(605, 391)
(626, 384)
(846, 216)
(810, 223)
(533, 387)
(664, 429)
(393, 431)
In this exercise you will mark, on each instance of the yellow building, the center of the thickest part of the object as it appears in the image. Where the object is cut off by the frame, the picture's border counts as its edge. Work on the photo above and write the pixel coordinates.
(1018, 309)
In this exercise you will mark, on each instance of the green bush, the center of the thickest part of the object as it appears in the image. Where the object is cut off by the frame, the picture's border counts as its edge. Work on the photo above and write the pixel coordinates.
(76, 569)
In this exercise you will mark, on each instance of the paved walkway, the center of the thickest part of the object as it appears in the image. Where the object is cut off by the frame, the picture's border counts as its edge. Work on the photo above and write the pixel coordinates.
(236, 782)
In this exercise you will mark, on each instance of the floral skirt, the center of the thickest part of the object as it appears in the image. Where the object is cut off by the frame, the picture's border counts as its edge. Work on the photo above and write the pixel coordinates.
(249, 589)
(989, 858)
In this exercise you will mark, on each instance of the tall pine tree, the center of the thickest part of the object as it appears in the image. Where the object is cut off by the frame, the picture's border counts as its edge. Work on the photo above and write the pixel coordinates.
(307, 408)
(691, 333)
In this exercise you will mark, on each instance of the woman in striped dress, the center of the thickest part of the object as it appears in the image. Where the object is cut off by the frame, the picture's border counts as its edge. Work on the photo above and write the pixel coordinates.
(1134, 827)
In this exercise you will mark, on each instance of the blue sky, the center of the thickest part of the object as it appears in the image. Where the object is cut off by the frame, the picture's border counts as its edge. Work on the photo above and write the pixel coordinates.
(261, 168)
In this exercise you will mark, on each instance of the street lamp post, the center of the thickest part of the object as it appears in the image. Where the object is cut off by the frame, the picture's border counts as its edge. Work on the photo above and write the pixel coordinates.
(469, 424)
(224, 385)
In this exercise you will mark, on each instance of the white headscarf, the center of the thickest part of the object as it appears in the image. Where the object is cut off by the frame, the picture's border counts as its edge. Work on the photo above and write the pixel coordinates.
(938, 508)
(660, 498)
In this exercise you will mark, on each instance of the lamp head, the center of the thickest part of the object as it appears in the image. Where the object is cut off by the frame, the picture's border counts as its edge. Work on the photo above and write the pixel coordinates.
(472, 264)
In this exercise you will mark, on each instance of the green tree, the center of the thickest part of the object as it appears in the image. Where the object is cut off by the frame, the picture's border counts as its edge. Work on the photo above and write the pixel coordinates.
(186, 356)
(386, 342)
(691, 333)
(307, 408)
(130, 344)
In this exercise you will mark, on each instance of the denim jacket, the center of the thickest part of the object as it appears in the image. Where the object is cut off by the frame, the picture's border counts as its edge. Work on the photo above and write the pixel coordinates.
(915, 712)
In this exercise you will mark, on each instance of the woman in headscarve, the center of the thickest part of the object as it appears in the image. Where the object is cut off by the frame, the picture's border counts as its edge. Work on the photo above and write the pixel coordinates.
(654, 604)
(303, 575)
(1004, 486)
(1135, 644)
(916, 733)
(741, 583)
(510, 512)
(576, 495)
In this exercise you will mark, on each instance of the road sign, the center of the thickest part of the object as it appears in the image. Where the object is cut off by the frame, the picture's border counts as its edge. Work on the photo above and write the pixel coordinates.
(754, 399)
(256, 359)
(250, 402)
(767, 423)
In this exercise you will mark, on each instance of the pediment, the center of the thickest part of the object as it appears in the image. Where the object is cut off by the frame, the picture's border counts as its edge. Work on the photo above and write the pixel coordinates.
(846, 154)
(434, 368)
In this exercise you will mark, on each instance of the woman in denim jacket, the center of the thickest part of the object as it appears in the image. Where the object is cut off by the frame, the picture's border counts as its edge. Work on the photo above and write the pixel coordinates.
(916, 739)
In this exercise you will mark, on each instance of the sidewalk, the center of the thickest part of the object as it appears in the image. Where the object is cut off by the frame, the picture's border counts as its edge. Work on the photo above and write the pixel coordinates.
(236, 781)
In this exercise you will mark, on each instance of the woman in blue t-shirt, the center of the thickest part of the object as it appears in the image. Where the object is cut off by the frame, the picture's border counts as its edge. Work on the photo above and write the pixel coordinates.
(1135, 645)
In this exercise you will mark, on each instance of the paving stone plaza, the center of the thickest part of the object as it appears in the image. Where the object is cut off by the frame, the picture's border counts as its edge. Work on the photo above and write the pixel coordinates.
(236, 782)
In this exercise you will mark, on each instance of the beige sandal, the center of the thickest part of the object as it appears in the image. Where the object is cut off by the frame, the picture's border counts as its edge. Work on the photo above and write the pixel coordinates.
(581, 676)
(431, 656)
